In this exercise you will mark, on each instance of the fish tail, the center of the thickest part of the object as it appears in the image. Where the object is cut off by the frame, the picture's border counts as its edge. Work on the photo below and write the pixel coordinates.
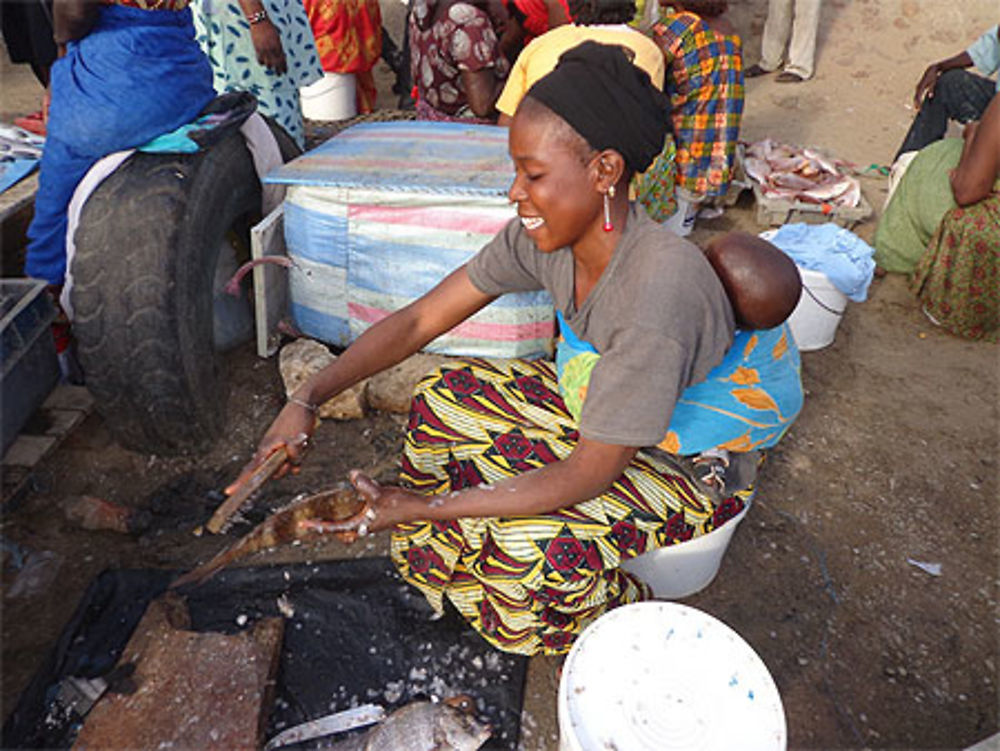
(204, 572)
(287, 525)
(258, 539)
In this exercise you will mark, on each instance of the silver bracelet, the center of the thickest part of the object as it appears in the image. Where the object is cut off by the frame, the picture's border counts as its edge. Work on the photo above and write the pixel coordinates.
(259, 17)
(304, 404)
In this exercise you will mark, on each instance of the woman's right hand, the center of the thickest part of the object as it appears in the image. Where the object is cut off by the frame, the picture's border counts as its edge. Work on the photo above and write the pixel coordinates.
(267, 43)
(925, 87)
(291, 430)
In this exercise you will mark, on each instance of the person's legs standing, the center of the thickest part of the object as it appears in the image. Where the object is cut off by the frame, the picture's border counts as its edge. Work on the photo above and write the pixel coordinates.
(802, 48)
(958, 95)
(405, 78)
(777, 29)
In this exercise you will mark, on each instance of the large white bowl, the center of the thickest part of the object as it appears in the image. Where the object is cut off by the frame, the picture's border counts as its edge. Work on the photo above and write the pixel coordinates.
(663, 676)
(684, 568)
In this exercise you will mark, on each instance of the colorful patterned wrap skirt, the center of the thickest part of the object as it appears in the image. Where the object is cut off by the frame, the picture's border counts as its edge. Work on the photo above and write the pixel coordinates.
(958, 277)
(530, 584)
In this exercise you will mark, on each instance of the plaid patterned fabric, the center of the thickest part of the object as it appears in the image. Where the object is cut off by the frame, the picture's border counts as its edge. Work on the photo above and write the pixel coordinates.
(705, 84)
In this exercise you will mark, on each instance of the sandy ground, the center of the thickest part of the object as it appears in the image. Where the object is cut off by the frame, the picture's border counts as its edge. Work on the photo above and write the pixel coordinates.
(895, 457)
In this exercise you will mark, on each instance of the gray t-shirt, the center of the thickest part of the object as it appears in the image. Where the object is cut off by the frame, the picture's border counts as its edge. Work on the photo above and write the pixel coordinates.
(658, 316)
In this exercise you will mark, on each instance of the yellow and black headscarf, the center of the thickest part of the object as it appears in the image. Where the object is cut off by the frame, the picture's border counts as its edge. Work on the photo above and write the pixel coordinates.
(609, 101)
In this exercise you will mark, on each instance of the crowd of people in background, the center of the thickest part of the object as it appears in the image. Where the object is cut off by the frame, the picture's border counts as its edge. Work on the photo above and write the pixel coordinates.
(473, 61)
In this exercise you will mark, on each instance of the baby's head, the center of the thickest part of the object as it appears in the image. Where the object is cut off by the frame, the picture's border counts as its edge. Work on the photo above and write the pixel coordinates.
(763, 284)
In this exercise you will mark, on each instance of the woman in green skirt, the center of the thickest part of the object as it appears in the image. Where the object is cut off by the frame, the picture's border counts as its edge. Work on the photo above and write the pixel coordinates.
(942, 226)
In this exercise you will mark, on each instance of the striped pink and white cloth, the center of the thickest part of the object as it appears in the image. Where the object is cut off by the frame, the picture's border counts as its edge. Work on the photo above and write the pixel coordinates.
(382, 212)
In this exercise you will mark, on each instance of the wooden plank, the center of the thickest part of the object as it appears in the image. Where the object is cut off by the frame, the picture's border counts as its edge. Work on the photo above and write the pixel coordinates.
(68, 396)
(18, 195)
(29, 450)
(195, 690)
(270, 281)
(61, 422)
(64, 409)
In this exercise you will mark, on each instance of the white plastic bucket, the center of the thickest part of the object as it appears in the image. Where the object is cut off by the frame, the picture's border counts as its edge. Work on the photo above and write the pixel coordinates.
(661, 676)
(687, 567)
(331, 98)
(815, 319)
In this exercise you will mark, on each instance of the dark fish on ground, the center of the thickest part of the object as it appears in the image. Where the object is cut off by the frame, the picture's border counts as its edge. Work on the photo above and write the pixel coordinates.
(341, 510)
(449, 725)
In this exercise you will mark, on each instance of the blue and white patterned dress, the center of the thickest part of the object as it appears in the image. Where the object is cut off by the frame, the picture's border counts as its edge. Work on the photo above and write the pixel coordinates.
(224, 34)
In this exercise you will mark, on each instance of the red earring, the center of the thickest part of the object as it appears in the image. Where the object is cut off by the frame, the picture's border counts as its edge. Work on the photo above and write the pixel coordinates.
(608, 226)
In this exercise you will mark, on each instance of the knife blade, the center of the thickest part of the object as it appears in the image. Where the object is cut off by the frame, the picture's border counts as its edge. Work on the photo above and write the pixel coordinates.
(338, 722)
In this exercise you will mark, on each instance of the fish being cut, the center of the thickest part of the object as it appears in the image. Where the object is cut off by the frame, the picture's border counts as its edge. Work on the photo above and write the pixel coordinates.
(304, 520)
(448, 725)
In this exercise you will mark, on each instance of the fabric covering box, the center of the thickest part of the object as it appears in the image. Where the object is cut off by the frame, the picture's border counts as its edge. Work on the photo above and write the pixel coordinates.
(382, 212)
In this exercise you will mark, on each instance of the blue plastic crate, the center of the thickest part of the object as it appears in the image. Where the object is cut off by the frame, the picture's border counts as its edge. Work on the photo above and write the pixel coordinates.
(28, 362)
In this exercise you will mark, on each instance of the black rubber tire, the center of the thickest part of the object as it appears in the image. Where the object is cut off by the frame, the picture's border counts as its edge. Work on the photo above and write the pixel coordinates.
(146, 249)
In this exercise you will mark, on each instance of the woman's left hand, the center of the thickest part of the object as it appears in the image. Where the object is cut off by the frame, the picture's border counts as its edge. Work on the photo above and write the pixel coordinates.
(391, 505)
(267, 43)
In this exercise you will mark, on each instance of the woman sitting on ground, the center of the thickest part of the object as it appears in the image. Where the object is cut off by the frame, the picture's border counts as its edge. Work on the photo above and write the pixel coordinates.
(527, 483)
(455, 58)
(942, 226)
(704, 60)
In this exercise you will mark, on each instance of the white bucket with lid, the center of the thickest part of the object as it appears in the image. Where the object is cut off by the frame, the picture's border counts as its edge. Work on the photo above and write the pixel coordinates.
(661, 676)
(815, 319)
(330, 98)
(687, 567)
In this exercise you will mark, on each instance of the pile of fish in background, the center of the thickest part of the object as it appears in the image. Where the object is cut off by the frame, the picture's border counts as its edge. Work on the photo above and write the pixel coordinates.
(794, 174)
(17, 143)
(20, 153)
